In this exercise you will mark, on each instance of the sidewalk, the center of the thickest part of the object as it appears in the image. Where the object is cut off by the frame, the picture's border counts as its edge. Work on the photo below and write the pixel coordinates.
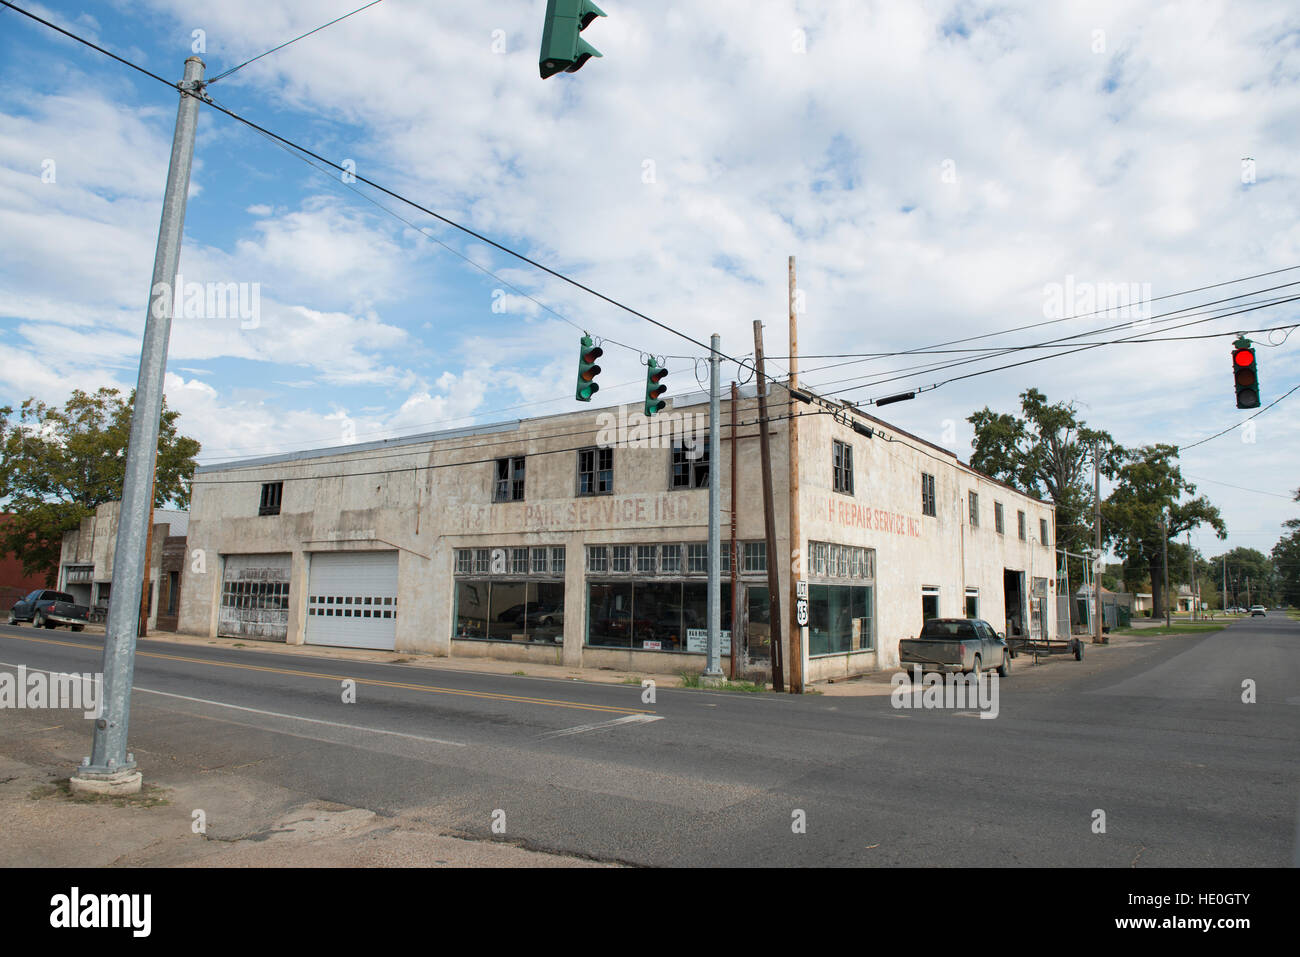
(246, 821)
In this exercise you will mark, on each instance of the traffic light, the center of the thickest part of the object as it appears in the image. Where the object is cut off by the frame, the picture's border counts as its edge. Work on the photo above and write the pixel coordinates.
(588, 370)
(654, 376)
(562, 48)
(1245, 375)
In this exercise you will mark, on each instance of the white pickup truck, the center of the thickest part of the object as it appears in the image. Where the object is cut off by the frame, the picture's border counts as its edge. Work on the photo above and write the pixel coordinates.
(956, 645)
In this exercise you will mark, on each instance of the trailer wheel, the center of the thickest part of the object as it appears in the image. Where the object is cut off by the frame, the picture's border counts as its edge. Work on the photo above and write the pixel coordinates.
(1078, 650)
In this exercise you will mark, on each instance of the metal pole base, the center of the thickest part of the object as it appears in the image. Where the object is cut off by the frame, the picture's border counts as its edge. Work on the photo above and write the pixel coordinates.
(115, 782)
(713, 677)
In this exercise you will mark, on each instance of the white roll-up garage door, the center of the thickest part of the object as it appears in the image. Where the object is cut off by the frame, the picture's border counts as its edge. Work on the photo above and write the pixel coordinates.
(352, 600)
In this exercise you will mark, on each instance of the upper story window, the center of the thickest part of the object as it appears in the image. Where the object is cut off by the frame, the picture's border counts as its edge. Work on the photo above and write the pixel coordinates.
(927, 494)
(974, 508)
(1042, 531)
(842, 467)
(271, 495)
(1020, 525)
(999, 524)
(691, 462)
(595, 471)
(510, 480)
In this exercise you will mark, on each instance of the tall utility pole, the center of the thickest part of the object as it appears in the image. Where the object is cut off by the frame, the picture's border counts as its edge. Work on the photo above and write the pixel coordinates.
(769, 516)
(1097, 637)
(111, 769)
(735, 617)
(1164, 561)
(796, 536)
(1191, 577)
(714, 669)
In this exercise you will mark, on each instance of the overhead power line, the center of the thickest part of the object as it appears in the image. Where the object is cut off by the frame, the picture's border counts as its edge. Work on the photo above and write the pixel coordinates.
(203, 97)
(221, 76)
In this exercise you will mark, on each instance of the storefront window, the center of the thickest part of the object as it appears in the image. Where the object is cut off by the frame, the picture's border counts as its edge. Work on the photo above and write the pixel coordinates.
(650, 616)
(609, 615)
(839, 619)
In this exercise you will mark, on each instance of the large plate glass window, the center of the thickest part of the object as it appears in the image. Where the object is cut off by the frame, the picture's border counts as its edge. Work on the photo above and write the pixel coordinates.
(519, 596)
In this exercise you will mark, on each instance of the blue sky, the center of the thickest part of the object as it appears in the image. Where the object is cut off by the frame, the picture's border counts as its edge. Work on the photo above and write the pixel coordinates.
(934, 166)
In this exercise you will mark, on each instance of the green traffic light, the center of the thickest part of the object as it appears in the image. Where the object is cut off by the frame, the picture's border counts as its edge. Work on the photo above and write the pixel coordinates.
(655, 374)
(563, 50)
(588, 370)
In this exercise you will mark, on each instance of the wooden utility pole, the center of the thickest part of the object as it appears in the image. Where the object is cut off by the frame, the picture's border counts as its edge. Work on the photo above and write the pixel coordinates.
(796, 536)
(1164, 561)
(1191, 578)
(148, 560)
(769, 515)
(735, 559)
(1097, 638)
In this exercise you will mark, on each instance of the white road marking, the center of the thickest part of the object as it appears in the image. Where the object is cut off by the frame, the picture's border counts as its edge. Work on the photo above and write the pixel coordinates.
(583, 728)
(294, 717)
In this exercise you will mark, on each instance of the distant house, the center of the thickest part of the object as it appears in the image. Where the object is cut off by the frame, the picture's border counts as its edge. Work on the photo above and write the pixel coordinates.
(13, 583)
(86, 563)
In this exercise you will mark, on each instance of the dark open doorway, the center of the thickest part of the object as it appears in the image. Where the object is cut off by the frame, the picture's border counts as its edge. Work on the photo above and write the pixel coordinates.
(1013, 587)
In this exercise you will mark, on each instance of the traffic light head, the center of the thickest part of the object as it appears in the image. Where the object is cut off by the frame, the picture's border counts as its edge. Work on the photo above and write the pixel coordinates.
(654, 387)
(588, 370)
(562, 48)
(1245, 375)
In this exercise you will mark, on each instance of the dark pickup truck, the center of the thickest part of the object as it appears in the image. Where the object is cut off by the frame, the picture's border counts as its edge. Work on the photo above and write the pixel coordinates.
(48, 609)
(956, 645)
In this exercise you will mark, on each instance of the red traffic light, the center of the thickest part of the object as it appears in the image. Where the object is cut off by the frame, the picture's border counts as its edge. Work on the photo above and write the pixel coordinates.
(1244, 357)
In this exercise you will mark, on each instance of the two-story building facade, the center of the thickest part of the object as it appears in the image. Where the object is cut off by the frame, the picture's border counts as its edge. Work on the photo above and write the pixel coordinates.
(582, 539)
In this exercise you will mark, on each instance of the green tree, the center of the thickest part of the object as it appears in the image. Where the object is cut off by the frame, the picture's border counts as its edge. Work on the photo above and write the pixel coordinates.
(57, 465)
(1047, 451)
(1250, 573)
(1150, 484)
(1286, 561)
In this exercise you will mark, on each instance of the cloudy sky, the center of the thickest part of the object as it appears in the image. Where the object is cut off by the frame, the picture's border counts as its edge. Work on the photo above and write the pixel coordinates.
(940, 170)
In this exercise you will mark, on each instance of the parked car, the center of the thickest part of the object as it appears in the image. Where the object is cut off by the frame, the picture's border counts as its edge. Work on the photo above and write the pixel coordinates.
(1258, 611)
(956, 645)
(48, 609)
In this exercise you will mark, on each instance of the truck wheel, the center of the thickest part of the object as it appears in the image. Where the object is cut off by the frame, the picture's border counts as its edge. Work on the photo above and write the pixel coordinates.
(13, 619)
(1005, 670)
(37, 620)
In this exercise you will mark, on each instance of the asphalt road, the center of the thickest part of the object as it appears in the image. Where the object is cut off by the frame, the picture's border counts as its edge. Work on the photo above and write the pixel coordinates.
(1154, 734)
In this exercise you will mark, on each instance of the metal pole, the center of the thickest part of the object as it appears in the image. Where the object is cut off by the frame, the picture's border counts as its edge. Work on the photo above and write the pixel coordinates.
(111, 768)
(1164, 560)
(735, 618)
(1191, 577)
(769, 517)
(796, 535)
(714, 669)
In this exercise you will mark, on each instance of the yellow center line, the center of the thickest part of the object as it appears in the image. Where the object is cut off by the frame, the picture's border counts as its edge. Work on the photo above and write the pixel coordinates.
(491, 695)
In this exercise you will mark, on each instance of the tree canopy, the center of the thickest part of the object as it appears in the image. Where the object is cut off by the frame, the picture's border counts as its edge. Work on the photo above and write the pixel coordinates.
(58, 464)
(1148, 485)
